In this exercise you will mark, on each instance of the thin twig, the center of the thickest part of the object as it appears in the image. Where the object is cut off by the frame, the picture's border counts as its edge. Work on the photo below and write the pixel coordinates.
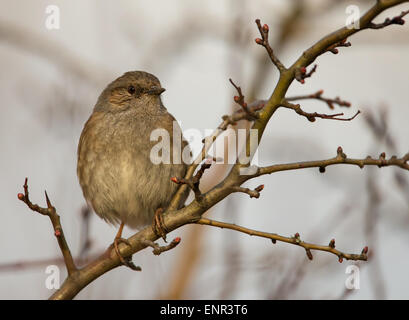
(333, 48)
(193, 183)
(55, 220)
(341, 158)
(208, 142)
(252, 193)
(264, 42)
(301, 73)
(395, 20)
(240, 101)
(157, 249)
(293, 240)
(312, 116)
(318, 96)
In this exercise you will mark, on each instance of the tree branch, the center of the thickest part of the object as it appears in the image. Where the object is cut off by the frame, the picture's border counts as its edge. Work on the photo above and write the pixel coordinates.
(312, 116)
(240, 101)
(208, 142)
(193, 183)
(301, 73)
(264, 42)
(55, 220)
(396, 20)
(333, 48)
(336, 38)
(318, 96)
(341, 158)
(292, 240)
(157, 249)
(252, 193)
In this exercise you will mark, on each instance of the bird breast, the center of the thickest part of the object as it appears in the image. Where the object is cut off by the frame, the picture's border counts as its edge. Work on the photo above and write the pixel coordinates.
(117, 176)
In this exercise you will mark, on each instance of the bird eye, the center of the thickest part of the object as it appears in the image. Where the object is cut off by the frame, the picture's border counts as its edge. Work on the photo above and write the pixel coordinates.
(131, 89)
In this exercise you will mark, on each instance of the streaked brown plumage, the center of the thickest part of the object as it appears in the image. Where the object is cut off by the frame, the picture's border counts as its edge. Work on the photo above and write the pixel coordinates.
(114, 168)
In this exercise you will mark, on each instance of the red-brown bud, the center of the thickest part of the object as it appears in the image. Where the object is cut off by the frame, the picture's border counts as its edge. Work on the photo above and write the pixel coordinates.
(20, 196)
(365, 250)
(236, 98)
(244, 104)
(57, 233)
(259, 41)
(340, 259)
(177, 239)
(332, 243)
(265, 28)
(174, 179)
(303, 69)
(398, 20)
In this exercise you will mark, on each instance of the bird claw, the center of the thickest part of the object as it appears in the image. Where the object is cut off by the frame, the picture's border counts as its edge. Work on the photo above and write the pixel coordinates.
(127, 261)
(158, 225)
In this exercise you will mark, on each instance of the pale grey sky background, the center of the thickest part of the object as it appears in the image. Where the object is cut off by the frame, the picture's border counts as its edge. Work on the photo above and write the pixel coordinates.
(51, 79)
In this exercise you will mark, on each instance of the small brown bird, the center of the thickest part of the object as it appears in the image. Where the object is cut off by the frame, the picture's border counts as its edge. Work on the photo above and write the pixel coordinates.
(115, 169)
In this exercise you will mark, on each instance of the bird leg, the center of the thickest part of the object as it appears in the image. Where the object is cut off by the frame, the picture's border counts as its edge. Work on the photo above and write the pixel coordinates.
(128, 260)
(158, 225)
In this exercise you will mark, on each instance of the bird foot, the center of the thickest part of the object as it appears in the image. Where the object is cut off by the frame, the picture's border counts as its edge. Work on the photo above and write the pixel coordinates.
(127, 261)
(158, 225)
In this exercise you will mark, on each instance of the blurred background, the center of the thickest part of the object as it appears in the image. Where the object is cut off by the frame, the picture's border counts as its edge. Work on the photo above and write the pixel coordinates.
(50, 81)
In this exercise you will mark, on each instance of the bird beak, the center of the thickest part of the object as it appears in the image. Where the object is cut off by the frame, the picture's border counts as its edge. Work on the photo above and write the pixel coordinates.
(156, 90)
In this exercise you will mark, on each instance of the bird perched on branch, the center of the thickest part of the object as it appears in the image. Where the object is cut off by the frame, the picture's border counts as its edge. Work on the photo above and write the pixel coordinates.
(116, 168)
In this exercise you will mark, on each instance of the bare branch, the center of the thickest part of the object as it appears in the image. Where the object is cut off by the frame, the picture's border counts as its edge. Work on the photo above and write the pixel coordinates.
(318, 96)
(240, 101)
(252, 193)
(341, 158)
(292, 240)
(301, 73)
(333, 48)
(55, 220)
(264, 42)
(194, 182)
(338, 38)
(208, 142)
(395, 20)
(157, 249)
(312, 116)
